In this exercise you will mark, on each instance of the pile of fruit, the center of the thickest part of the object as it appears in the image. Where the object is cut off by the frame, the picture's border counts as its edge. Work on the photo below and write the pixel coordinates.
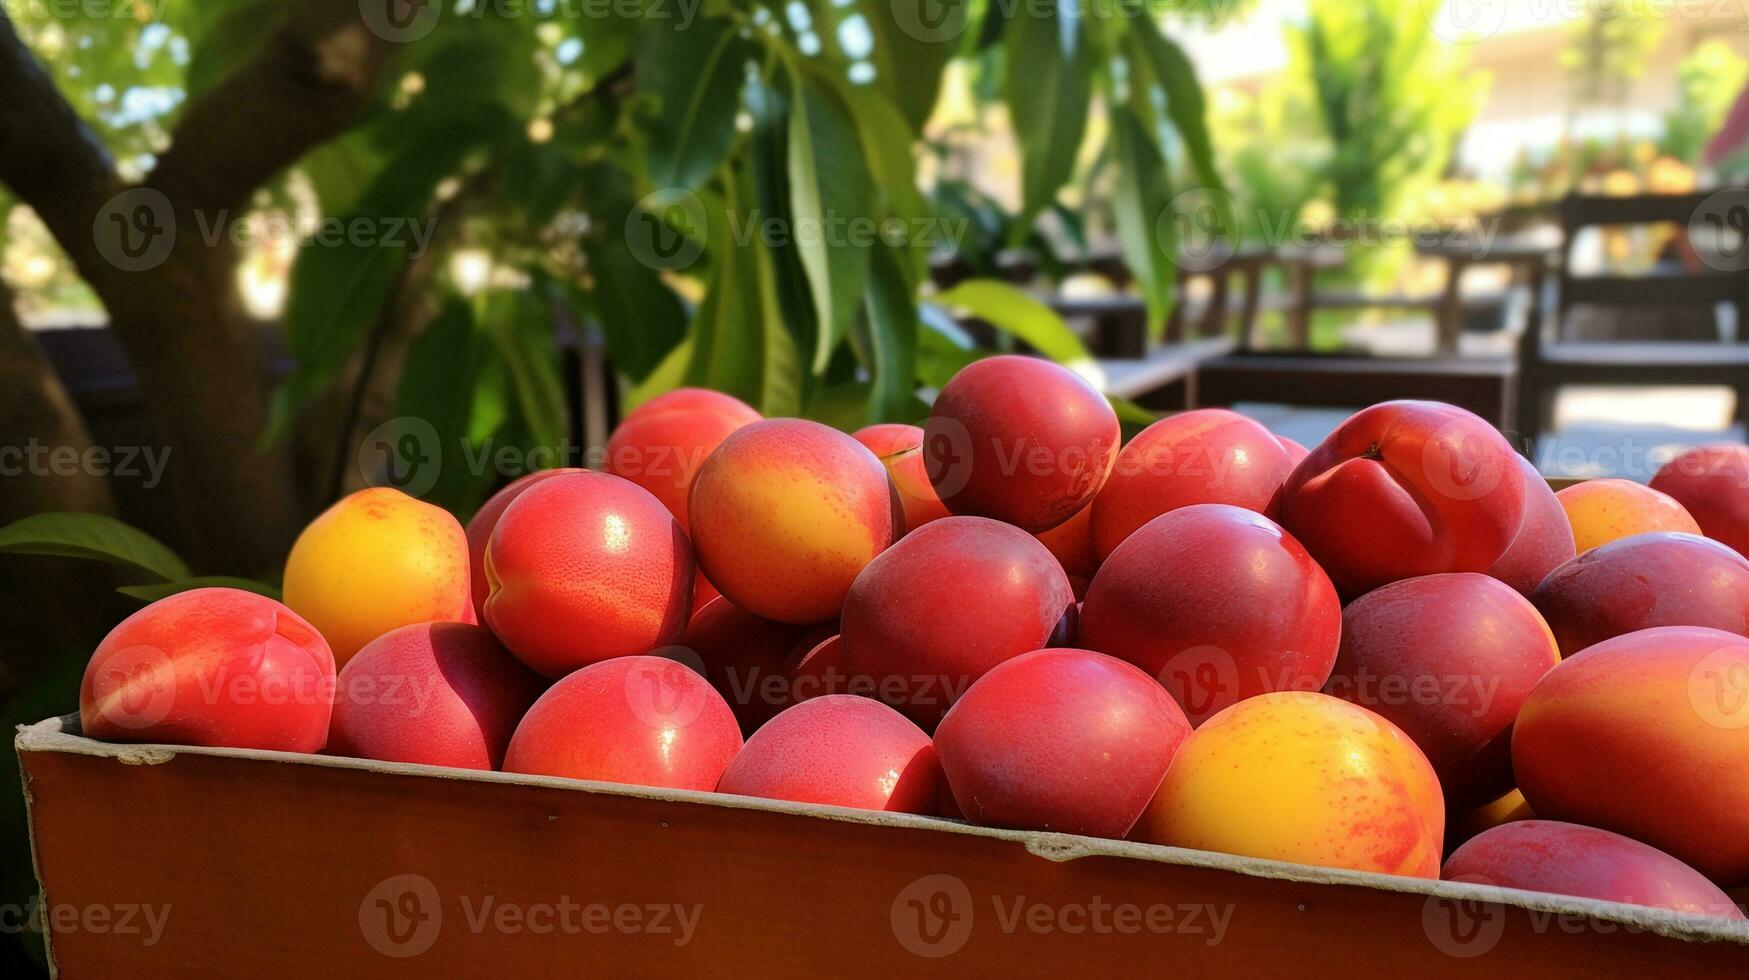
(1384, 654)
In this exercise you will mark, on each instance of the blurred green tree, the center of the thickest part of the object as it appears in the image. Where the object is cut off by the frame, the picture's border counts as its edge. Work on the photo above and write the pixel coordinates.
(726, 190)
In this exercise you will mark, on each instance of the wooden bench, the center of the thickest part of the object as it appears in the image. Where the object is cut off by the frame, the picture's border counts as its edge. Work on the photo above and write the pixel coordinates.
(1486, 386)
(1549, 359)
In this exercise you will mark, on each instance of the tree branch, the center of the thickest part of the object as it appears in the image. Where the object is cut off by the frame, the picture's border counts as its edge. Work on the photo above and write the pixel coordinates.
(49, 157)
(306, 86)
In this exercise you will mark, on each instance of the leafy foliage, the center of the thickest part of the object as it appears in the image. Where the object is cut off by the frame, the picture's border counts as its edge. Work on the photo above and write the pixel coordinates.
(726, 195)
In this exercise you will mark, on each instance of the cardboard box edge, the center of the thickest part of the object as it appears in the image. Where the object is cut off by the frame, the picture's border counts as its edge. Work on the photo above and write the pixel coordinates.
(52, 735)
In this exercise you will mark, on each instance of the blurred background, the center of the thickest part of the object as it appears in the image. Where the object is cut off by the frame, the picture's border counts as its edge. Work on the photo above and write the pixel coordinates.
(257, 253)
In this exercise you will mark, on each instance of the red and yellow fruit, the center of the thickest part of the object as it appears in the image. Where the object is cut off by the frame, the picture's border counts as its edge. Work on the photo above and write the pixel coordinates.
(217, 667)
(1647, 735)
(786, 513)
(1404, 489)
(1712, 484)
(744, 657)
(1218, 604)
(1544, 541)
(1302, 777)
(1448, 659)
(900, 450)
(376, 560)
(585, 567)
(839, 750)
(1065, 740)
(946, 604)
(647, 721)
(1020, 440)
(1641, 582)
(663, 442)
(1601, 511)
(479, 530)
(441, 694)
(1567, 859)
(1209, 456)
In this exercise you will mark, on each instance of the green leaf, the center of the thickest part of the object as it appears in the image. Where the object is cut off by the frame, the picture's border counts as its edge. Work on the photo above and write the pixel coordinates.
(519, 326)
(641, 318)
(1142, 200)
(341, 282)
(1013, 312)
(892, 331)
(231, 38)
(159, 590)
(1049, 87)
(1186, 103)
(441, 373)
(1129, 413)
(739, 341)
(696, 75)
(668, 374)
(913, 42)
(942, 347)
(831, 196)
(94, 536)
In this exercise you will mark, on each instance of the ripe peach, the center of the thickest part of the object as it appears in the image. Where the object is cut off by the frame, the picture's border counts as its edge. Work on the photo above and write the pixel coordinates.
(1544, 540)
(1064, 740)
(1712, 484)
(900, 450)
(1448, 659)
(584, 567)
(1021, 440)
(647, 721)
(217, 667)
(1209, 456)
(662, 443)
(1644, 581)
(1218, 604)
(1303, 777)
(376, 560)
(480, 527)
(1295, 451)
(1567, 859)
(839, 750)
(785, 514)
(1071, 542)
(1403, 489)
(942, 607)
(744, 657)
(442, 694)
(1647, 735)
(1601, 511)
